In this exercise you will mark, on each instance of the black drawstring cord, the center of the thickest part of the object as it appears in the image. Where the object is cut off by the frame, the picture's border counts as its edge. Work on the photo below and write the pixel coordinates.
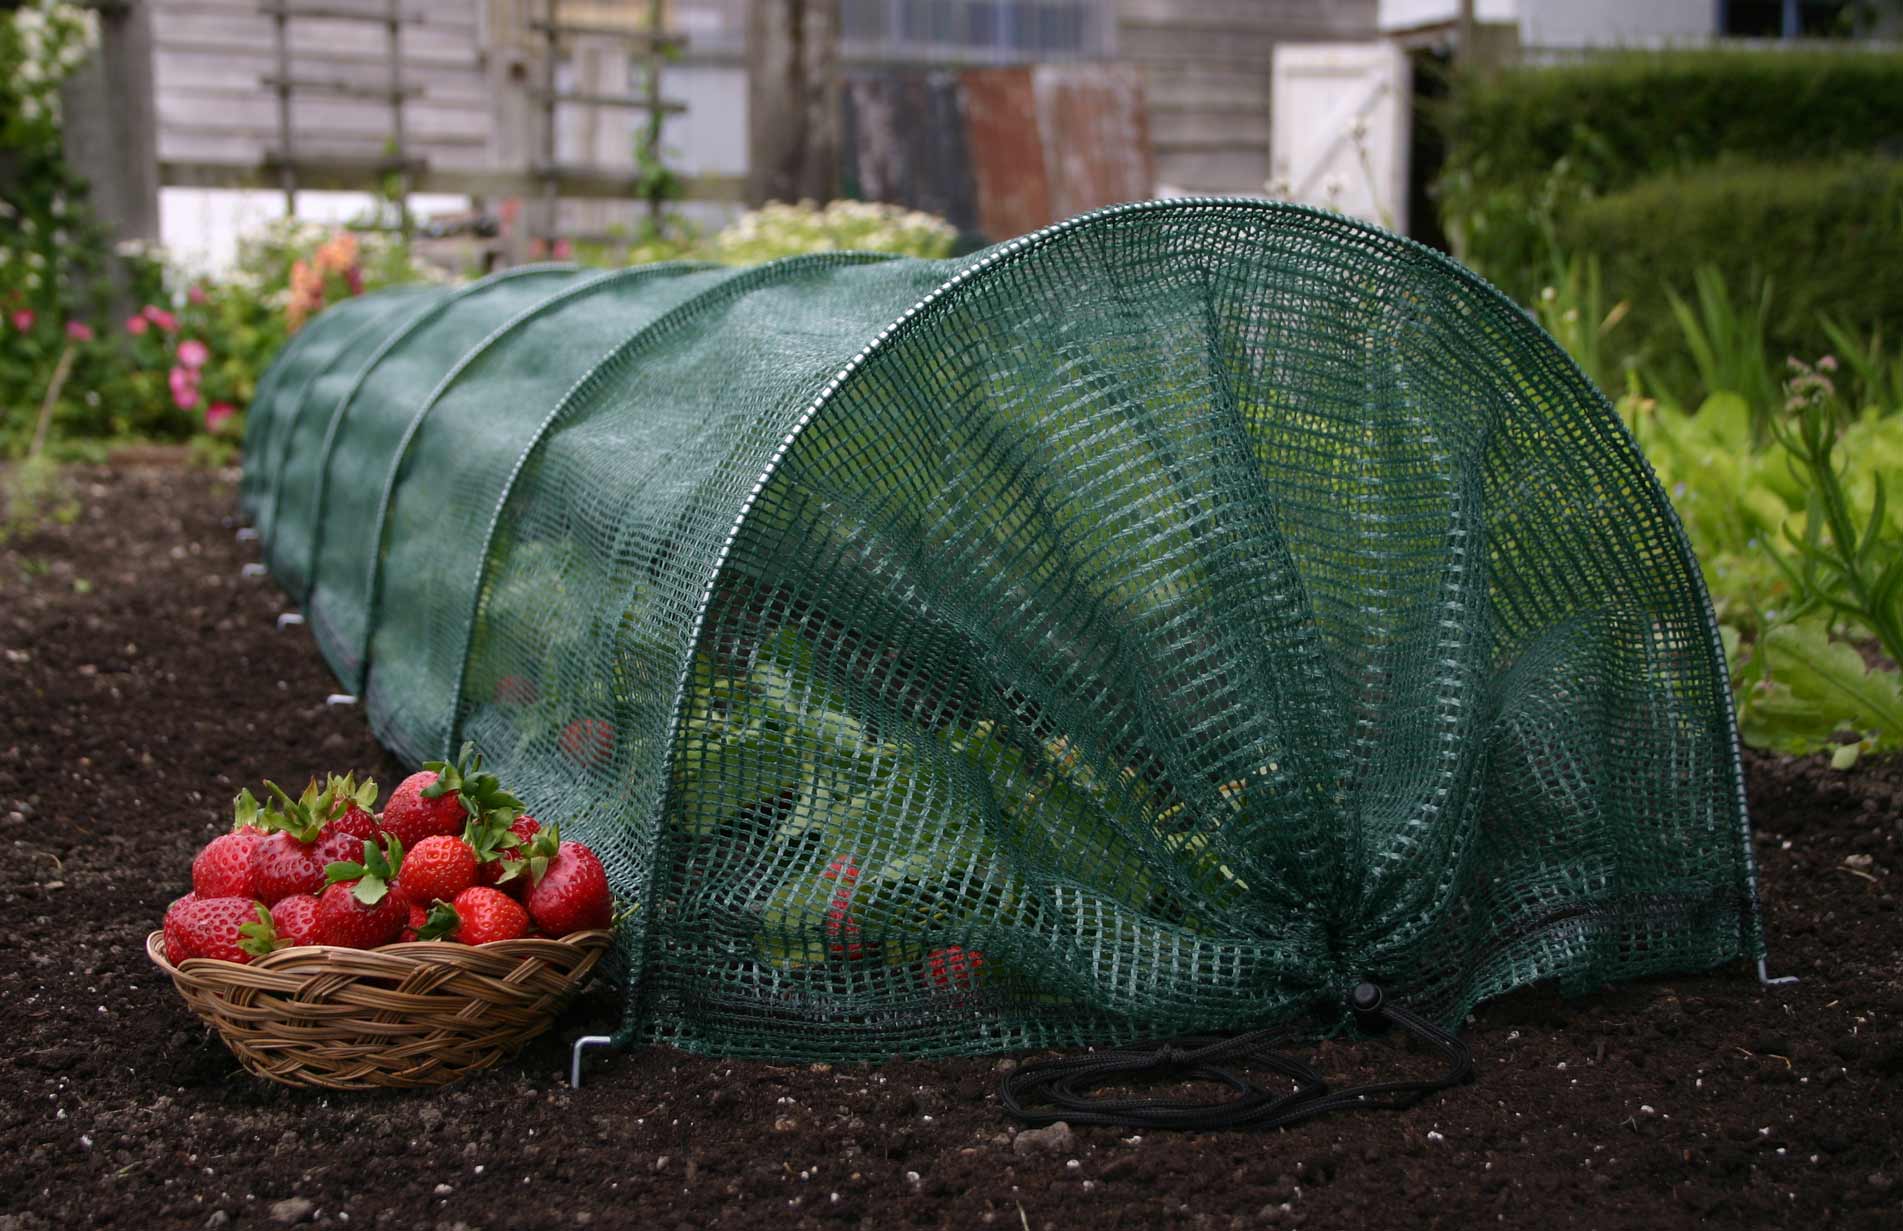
(1062, 1088)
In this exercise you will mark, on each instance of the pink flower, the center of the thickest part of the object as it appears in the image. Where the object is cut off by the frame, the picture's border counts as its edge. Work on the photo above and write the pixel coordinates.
(193, 353)
(218, 414)
(184, 384)
(196, 294)
(79, 331)
(353, 278)
(23, 319)
(563, 249)
(160, 317)
(137, 325)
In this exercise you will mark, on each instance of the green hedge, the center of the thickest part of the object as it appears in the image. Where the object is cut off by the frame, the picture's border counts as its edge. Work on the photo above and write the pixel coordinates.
(1526, 145)
(1829, 236)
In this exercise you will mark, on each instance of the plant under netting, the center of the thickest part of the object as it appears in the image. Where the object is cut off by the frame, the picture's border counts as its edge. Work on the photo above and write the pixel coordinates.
(1168, 621)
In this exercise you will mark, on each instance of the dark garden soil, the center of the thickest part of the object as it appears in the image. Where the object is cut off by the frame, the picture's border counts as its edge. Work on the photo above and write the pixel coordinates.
(141, 681)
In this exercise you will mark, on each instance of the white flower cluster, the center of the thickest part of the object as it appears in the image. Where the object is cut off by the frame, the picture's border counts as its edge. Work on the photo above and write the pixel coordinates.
(779, 230)
(51, 39)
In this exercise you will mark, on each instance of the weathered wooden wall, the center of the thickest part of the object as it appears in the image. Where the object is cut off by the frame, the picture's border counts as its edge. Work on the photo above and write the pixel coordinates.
(1206, 72)
(211, 59)
(997, 152)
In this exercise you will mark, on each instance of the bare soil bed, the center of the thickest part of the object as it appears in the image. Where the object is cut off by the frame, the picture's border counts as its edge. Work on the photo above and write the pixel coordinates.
(142, 681)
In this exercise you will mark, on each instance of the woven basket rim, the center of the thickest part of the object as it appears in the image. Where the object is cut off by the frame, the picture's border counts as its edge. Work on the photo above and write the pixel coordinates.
(410, 1014)
(414, 949)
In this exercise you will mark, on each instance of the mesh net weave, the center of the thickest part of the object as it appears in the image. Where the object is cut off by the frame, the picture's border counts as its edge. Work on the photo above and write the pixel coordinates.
(1157, 623)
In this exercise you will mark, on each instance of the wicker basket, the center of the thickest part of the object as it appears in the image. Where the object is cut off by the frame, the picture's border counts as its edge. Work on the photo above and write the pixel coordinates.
(417, 1014)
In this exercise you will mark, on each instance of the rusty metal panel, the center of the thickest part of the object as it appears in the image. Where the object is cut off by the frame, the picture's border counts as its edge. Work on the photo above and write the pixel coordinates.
(1007, 154)
(1096, 135)
(903, 141)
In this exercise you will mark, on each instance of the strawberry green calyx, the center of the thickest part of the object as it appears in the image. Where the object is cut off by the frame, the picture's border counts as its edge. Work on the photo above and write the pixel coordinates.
(481, 793)
(344, 790)
(246, 811)
(541, 849)
(304, 817)
(373, 876)
(442, 924)
(491, 836)
(261, 937)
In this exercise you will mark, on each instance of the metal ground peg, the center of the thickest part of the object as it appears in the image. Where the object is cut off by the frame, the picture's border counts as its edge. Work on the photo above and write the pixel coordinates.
(254, 569)
(341, 698)
(287, 618)
(1764, 977)
(574, 1063)
(247, 534)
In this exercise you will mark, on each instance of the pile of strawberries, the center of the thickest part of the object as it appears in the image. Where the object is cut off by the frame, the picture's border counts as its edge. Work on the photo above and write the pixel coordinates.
(452, 857)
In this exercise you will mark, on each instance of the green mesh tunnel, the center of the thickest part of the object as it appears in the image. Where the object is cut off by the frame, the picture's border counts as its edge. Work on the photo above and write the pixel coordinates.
(1156, 623)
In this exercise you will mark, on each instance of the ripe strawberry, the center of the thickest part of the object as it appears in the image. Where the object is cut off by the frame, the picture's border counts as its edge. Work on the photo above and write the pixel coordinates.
(515, 690)
(589, 742)
(346, 920)
(281, 866)
(842, 930)
(499, 852)
(418, 920)
(956, 967)
(442, 798)
(355, 806)
(437, 867)
(569, 889)
(292, 857)
(222, 868)
(361, 908)
(295, 920)
(477, 916)
(207, 927)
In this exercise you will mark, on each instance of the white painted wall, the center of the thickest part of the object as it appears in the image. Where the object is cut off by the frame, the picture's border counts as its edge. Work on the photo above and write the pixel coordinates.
(710, 138)
(1603, 23)
(1412, 14)
(201, 226)
(1340, 116)
(1567, 23)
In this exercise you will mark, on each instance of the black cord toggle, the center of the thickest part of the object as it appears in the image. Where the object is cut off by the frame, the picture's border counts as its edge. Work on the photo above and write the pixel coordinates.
(1046, 1091)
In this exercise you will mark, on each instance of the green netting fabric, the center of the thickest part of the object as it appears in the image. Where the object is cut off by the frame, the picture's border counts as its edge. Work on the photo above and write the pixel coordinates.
(1157, 623)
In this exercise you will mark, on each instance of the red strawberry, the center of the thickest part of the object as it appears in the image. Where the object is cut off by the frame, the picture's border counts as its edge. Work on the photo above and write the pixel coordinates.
(295, 920)
(336, 845)
(477, 916)
(207, 927)
(442, 798)
(502, 864)
(354, 806)
(515, 690)
(310, 832)
(955, 967)
(222, 868)
(589, 742)
(418, 920)
(361, 908)
(842, 930)
(282, 866)
(437, 867)
(346, 920)
(570, 890)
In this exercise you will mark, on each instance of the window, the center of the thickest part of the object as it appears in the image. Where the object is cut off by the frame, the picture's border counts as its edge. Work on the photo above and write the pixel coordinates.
(981, 31)
(1792, 18)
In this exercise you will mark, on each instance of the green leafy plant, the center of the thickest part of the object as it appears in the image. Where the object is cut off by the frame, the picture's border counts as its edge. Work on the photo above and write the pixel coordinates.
(1573, 309)
(777, 230)
(1727, 344)
(1800, 689)
(1848, 560)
